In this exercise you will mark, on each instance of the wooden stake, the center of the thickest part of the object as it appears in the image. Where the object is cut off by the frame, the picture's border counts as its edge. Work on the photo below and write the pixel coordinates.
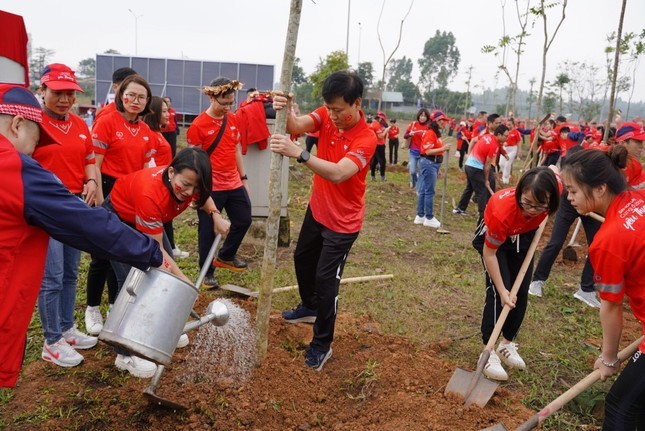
(275, 193)
(344, 281)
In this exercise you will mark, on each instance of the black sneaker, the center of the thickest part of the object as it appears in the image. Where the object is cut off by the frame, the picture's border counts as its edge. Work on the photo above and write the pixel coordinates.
(457, 210)
(316, 358)
(210, 282)
(300, 314)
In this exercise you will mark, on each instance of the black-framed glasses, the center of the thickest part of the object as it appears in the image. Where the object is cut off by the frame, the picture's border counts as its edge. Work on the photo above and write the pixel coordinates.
(138, 97)
(527, 206)
(229, 104)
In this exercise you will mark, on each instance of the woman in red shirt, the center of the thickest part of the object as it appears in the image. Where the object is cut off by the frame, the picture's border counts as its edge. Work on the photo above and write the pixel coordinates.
(147, 199)
(503, 237)
(380, 128)
(595, 183)
(122, 144)
(73, 164)
(414, 133)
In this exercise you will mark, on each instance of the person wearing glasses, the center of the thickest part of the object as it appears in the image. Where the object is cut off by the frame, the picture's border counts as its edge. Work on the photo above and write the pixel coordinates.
(215, 131)
(123, 145)
(503, 238)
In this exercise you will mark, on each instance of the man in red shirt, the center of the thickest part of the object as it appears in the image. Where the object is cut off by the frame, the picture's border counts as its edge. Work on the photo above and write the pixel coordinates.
(393, 141)
(117, 78)
(380, 128)
(336, 209)
(215, 131)
(171, 129)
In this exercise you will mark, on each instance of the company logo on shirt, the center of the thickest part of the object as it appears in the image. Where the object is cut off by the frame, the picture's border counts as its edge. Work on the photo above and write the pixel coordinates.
(632, 212)
(63, 127)
(134, 131)
(119, 135)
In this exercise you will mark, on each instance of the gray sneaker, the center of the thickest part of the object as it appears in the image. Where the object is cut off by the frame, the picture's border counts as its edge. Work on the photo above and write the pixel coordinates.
(588, 298)
(535, 288)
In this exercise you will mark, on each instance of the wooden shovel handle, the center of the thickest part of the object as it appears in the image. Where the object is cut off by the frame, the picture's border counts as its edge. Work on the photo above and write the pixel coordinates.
(596, 217)
(574, 391)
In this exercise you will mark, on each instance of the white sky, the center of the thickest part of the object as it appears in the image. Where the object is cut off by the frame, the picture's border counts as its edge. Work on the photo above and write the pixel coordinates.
(254, 31)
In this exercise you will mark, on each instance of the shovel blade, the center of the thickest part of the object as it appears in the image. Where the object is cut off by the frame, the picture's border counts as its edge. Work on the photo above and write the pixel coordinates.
(569, 253)
(460, 383)
(162, 402)
(498, 427)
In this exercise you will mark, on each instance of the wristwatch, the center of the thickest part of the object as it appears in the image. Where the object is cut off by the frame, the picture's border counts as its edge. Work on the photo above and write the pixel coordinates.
(303, 157)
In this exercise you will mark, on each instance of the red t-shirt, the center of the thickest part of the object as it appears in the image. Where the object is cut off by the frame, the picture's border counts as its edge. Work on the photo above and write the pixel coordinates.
(162, 150)
(172, 121)
(550, 145)
(633, 172)
(514, 137)
(67, 160)
(341, 207)
(393, 133)
(126, 146)
(143, 200)
(107, 109)
(486, 147)
(415, 132)
(378, 128)
(504, 218)
(617, 253)
(202, 132)
(430, 141)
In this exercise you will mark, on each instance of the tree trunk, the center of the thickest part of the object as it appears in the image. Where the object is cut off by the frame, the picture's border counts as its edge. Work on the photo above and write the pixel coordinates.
(612, 95)
(275, 193)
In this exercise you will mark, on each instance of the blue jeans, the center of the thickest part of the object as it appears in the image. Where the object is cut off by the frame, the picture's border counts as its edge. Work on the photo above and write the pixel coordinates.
(57, 294)
(428, 172)
(412, 166)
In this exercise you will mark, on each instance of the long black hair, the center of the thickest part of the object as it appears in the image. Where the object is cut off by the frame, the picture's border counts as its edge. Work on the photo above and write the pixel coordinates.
(196, 160)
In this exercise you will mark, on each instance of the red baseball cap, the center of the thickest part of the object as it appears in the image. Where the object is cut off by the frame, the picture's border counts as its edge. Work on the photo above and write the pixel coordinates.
(381, 115)
(630, 131)
(438, 115)
(57, 76)
(17, 100)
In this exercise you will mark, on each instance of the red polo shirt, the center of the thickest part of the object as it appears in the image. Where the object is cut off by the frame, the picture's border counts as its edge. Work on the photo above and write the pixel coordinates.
(378, 128)
(162, 150)
(393, 133)
(617, 253)
(126, 146)
(486, 147)
(430, 141)
(202, 132)
(143, 200)
(341, 207)
(69, 159)
(416, 137)
(514, 137)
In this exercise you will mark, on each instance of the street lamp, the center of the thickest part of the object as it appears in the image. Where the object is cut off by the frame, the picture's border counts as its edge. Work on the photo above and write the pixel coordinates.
(136, 31)
(360, 29)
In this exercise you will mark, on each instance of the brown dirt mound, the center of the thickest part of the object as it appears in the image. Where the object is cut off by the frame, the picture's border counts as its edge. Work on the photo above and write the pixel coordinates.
(373, 381)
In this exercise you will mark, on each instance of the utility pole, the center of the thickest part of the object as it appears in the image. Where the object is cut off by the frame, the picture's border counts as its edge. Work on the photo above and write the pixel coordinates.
(136, 32)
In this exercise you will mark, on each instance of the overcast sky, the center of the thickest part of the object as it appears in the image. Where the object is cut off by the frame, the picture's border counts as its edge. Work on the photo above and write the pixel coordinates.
(254, 31)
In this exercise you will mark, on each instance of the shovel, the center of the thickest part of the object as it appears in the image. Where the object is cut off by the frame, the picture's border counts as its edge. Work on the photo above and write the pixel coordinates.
(211, 316)
(574, 391)
(441, 229)
(473, 386)
(569, 252)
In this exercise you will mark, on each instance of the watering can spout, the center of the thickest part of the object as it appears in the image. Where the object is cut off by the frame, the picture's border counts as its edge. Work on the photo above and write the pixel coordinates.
(219, 311)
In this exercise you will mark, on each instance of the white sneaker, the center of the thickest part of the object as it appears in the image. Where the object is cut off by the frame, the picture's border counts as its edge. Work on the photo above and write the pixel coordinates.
(493, 368)
(61, 354)
(78, 340)
(93, 320)
(419, 220)
(535, 288)
(508, 354)
(179, 254)
(183, 341)
(433, 222)
(136, 366)
(588, 298)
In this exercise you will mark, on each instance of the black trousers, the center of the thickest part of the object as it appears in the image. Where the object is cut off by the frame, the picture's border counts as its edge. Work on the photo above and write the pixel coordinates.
(625, 402)
(462, 154)
(510, 260)
(378, 158)
(564, 218)
(171, 137)
(100, 271)
(475, 184)
(319, 260)
(237, 205)
(394, 150)
(310, 141)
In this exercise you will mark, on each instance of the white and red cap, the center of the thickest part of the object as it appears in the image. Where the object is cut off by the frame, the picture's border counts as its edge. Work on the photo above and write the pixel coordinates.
(59, 77)
(17, 100)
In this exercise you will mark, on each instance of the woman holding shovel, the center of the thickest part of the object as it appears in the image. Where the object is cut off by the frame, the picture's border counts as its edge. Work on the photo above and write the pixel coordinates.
(595, 183)
(503, 237)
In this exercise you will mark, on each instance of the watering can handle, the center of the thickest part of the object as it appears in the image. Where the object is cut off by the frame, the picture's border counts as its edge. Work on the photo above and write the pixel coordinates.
(207, 262)
(133, 280)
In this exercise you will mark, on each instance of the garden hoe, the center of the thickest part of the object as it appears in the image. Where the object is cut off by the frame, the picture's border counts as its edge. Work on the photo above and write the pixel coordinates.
(473, 386)
(441, 229)
(569, 252)
(573, 392)
(214, 314)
